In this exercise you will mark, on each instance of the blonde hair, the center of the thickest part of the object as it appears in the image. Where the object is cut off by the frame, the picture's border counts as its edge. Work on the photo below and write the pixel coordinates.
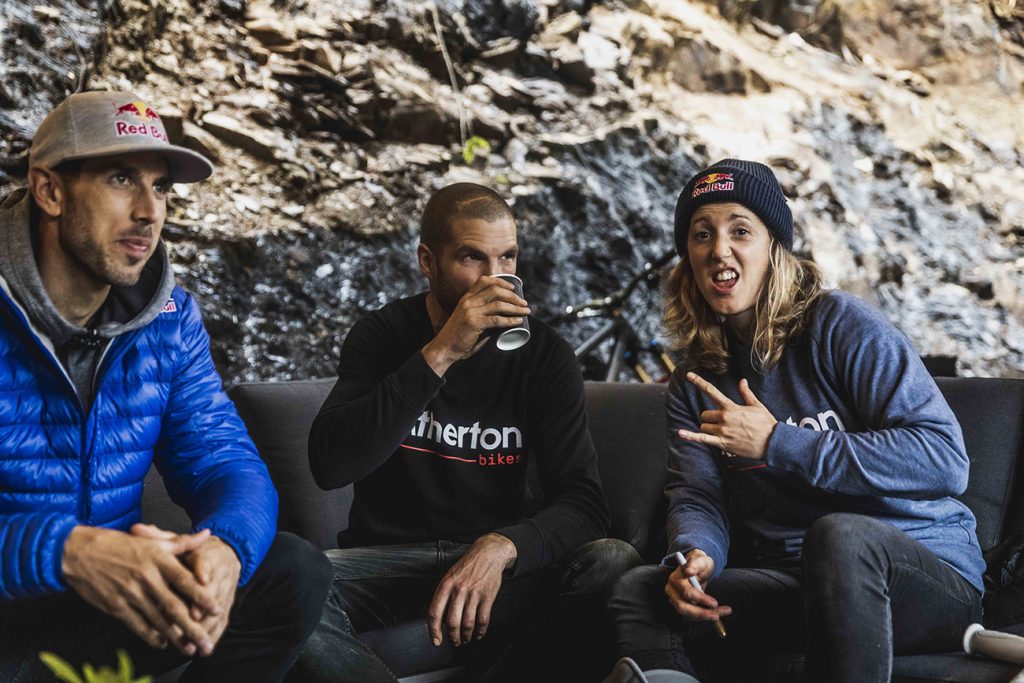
(791, 289)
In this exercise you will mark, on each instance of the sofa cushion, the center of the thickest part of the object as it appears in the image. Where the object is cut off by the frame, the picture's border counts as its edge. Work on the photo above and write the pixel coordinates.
(951, 668)
(991, 415)
(946, 667)
(278, 416)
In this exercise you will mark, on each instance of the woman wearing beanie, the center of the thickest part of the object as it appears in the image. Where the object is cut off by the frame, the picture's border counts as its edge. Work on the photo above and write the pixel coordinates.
(812, 467)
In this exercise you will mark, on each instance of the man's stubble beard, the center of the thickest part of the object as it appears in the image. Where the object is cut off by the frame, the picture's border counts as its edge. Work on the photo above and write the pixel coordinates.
(77, 243)
(446, 297)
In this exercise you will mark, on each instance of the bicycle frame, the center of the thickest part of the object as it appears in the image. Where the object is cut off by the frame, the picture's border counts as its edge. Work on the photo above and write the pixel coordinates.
(620, 329)
(626, 345)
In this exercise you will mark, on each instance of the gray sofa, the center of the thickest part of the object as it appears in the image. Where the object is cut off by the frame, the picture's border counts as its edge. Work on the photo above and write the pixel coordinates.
(628, 425)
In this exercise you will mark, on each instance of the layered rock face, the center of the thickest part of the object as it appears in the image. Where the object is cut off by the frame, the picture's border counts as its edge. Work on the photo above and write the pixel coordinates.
(896, 128)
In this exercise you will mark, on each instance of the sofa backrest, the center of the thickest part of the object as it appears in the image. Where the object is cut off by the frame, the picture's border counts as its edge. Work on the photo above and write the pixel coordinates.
(278, 416)
(627, 422)
(991, 416)
(629, 429)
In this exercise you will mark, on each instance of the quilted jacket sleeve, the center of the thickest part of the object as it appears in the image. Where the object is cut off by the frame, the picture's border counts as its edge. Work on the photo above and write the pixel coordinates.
(31, 547)
(209, 464)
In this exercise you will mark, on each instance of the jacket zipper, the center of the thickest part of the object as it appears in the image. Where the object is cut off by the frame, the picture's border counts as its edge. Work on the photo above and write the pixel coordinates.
(85, 503)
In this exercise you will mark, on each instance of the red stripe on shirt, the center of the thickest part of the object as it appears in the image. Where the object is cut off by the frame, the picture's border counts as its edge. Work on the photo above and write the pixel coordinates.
(440, 455)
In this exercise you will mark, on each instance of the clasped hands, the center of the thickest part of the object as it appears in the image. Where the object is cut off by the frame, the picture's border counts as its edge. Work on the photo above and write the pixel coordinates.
(167, 588)
(738, 429)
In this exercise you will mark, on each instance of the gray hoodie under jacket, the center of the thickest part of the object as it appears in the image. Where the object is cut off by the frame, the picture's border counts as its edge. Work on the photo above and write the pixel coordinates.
(78, 349)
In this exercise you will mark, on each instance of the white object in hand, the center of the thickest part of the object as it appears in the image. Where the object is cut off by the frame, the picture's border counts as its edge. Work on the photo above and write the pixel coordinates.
(719, 626)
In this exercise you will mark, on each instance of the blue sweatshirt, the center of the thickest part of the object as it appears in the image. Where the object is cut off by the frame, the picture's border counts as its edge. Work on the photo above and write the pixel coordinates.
(862, 428)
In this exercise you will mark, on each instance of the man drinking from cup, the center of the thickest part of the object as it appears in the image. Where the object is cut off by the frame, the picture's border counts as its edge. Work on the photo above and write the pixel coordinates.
(436, 424)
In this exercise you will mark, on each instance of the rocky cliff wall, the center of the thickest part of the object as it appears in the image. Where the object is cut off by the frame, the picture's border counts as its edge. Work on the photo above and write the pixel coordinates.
(895, 127)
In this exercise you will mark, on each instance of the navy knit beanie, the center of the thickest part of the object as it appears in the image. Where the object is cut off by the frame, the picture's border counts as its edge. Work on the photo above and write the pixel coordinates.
(733, 180)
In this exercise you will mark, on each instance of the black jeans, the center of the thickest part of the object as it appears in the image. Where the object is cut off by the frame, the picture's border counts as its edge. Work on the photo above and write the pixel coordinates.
(272, 617)
(865, 592)
(534, 617)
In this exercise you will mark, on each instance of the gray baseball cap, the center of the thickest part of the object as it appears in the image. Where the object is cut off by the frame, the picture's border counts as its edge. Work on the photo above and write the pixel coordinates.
(98, 124)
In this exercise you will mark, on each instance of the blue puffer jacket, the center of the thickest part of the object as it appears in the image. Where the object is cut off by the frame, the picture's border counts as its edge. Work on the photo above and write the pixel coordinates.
(157, 395)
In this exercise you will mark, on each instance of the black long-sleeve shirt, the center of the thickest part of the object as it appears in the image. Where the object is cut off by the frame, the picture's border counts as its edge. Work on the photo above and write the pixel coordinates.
(447, 458)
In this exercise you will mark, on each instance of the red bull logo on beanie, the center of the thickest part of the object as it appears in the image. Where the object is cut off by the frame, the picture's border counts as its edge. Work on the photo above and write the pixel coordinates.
(142, 120)
(713, 182)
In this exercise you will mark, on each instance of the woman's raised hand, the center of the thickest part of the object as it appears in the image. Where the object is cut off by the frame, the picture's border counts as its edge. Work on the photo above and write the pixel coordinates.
(737, 429)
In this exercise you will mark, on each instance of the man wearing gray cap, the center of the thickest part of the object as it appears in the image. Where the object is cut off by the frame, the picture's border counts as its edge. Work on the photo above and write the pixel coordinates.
(105, 368)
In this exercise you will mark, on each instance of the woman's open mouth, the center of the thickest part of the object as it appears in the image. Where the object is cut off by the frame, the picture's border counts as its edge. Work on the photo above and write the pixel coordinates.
(724, 280)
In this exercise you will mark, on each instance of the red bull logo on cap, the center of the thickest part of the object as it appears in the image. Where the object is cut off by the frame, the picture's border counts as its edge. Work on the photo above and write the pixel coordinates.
(713, 182)
(148, 123)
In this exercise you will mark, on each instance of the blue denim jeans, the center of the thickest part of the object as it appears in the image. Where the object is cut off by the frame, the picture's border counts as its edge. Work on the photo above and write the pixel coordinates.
(383, 586)
(865, 591)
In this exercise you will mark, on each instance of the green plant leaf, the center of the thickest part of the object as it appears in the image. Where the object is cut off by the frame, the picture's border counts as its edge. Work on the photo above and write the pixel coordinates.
(60, 668)
(124, 666)
(126, 670)
(65, 672)
(105, 675)
(472, 146)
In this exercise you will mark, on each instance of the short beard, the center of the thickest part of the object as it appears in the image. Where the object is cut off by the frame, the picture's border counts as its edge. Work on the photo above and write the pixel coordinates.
(446, 298)
(75, 241)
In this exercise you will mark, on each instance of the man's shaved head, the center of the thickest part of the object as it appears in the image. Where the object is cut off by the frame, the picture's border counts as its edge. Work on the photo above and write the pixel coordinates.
(461, 200)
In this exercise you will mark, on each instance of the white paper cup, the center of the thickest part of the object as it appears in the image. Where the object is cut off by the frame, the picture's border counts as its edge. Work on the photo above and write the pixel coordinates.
(511, 338)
